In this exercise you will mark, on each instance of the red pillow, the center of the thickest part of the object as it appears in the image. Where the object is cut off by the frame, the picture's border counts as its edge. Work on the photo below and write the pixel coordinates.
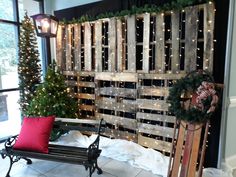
(34, 134)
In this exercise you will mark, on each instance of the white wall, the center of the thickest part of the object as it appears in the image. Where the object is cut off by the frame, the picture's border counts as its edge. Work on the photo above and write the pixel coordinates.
(32, 7)
(52, 5)
(228, 128)
(230, 148)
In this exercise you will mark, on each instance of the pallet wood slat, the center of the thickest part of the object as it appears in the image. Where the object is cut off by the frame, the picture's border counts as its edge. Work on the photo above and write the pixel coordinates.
(160, 44)
(115, 91)
(119, 37)
(175, 60)
(131, 36)
(110, 105)
(191, 31)
(159, 76)
(119, 77)
(98, 46)
(155, 117)
(72, 120)
(152, 104)
(209, 16)
(69, 73)
(146, 41)
(153, 143)
(112, 45)
(77, 46)
(127, 101)
(89, 117)
(71, 83)
(113, 133)
(87, 47)
(86, 84)
(86, 96)
(59, 47)
(118, 121)
(68, 48)
(64, 45)
(105, 99)
(149, 91)
(85, 74)
(87, 107)
(155, 130)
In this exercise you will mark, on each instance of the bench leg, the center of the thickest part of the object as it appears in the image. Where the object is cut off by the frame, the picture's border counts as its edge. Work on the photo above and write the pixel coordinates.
(9, 170)
(28, 161)
(90, 171)
(13, 159)
(99, 169)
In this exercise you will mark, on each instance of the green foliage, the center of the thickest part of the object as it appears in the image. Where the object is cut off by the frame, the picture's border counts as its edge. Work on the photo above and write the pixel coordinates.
(171, 5)
(29, 69)
(53, 98)
(190, 83)
(8, 40)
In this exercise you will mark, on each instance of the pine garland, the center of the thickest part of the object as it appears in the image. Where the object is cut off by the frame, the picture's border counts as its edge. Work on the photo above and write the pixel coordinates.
(190, 83)
(172, 5)
(29, 69)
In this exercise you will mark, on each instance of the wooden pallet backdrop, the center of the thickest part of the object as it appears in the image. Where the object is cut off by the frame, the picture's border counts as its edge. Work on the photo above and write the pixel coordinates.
(121, 69)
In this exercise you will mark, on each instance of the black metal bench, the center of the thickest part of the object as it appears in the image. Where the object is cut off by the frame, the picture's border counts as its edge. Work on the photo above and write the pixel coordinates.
(61, 153)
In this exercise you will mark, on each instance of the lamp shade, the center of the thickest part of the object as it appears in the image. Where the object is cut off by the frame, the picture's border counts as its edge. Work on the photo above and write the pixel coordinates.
(45, 25)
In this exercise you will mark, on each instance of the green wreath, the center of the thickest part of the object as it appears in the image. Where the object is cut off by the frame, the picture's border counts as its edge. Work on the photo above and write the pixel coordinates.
(190, 84)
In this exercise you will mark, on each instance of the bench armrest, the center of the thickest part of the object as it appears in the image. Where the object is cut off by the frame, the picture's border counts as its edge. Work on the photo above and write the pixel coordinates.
(93, 149)
(9, 143)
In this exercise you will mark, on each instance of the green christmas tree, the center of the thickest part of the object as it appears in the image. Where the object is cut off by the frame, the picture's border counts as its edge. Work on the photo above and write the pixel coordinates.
(29, 69)
(53, 98)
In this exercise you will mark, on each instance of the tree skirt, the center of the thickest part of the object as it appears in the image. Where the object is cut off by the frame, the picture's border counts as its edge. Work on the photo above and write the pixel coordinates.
(126, 151)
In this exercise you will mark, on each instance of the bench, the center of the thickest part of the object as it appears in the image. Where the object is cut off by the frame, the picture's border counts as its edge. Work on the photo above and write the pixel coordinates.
(61, 153)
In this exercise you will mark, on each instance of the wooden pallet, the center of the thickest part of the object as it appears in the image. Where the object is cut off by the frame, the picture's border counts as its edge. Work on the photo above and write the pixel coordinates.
(153, 47)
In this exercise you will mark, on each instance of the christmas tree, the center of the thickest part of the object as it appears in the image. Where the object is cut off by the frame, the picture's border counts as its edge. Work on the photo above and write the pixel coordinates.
(53, 98)
(29, 69)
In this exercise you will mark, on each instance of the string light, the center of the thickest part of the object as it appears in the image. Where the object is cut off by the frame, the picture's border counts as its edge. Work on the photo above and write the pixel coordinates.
(119, 86)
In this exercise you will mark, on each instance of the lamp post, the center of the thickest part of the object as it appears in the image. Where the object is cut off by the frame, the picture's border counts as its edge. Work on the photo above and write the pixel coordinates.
(46, 27)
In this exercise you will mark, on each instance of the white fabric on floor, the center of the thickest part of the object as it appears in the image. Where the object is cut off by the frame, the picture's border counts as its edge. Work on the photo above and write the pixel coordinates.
(134, 154)
(213, 172)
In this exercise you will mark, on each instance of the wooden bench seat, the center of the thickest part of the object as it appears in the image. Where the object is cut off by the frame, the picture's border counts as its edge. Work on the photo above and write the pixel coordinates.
(61, 153)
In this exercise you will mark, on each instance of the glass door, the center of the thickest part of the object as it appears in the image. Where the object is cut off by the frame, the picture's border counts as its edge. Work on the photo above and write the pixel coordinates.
(11, 13)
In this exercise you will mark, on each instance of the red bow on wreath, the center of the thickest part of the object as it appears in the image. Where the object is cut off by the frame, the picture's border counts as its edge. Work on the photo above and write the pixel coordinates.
(205, 90)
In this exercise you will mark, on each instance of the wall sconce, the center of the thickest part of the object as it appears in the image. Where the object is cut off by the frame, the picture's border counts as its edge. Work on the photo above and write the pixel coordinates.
(46, 27)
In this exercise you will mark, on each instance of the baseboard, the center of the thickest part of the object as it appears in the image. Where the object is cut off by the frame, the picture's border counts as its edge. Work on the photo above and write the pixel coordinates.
(230, 165)
(231, 161)
(232, 101)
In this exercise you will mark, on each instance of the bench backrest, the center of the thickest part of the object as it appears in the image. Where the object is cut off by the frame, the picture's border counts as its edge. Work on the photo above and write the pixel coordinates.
(83, 125)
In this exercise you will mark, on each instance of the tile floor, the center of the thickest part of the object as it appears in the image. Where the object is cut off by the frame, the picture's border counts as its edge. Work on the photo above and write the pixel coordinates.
(39, 168)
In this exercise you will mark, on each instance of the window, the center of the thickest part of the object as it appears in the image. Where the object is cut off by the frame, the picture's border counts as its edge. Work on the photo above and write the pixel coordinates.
(11, 13)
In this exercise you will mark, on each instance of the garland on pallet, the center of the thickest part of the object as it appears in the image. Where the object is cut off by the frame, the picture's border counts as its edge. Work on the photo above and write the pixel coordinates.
(193, 98)
(172, 5)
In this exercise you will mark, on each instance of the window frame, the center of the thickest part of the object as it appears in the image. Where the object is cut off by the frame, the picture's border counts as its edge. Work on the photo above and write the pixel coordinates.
(16, 22)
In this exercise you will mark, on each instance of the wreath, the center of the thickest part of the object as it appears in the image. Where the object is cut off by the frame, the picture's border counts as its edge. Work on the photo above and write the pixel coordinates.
(193, 98)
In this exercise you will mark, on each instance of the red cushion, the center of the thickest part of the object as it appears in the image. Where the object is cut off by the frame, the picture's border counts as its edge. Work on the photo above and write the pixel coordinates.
(34, 134)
